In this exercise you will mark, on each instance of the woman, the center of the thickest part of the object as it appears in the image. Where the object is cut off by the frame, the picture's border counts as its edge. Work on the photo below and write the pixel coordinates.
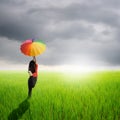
(33, 73)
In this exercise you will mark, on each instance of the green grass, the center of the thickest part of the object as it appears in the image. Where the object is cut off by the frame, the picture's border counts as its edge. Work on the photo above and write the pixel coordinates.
(58, 96)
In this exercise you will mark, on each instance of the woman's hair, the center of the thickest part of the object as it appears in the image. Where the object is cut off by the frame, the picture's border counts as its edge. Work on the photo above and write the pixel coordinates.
(32, 66)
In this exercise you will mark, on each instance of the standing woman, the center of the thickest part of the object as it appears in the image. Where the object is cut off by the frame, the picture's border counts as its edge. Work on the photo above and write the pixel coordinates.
(33, 73)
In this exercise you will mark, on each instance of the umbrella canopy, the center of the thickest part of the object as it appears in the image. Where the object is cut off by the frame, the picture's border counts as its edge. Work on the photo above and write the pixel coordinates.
(32, 47)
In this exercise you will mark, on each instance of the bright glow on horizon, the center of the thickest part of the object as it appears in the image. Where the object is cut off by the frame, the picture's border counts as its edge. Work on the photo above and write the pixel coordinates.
(62, 68)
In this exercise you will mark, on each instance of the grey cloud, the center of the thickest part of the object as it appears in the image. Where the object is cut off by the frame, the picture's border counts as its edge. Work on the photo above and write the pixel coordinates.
(16, 28)
(93, 14)
(88, 12)
(32, 21)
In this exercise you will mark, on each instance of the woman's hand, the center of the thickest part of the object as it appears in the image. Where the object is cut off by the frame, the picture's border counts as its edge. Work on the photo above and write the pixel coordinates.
(30, 73)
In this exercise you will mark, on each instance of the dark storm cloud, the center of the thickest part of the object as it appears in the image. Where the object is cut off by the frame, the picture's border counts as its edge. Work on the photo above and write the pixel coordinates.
(70, 29)
(90, 13)
(13, 25)
(25, 23)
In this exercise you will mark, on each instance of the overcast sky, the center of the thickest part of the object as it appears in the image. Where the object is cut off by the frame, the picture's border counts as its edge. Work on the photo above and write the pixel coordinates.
(75, 31)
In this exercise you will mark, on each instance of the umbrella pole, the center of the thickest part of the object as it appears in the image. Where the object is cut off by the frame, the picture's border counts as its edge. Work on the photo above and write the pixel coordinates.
(34, 58)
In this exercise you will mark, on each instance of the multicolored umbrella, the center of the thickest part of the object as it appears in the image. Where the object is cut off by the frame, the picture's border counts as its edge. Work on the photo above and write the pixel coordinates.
(32, 47)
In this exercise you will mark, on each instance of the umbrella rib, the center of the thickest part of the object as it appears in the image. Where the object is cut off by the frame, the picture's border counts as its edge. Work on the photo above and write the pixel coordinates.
(33, 51)
(39, 50)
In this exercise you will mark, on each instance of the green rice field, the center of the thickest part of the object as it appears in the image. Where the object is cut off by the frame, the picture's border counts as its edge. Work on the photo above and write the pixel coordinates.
(60, 96)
